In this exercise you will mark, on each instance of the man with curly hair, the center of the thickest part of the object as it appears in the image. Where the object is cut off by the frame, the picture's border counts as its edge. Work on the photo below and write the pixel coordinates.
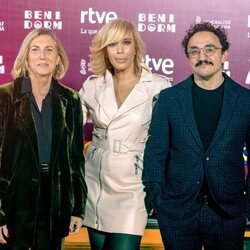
(193, 164)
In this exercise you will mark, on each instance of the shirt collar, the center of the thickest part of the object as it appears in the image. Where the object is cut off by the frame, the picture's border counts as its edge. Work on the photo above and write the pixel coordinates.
(26, 86)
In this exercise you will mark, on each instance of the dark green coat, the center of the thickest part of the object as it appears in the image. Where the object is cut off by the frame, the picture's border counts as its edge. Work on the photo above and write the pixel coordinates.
(19, 162)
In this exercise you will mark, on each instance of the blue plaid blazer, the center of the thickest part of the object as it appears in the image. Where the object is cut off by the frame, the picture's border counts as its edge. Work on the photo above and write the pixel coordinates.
(175, 161)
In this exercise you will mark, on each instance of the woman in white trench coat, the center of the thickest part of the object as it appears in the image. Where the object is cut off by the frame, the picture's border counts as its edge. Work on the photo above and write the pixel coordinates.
(118, 99)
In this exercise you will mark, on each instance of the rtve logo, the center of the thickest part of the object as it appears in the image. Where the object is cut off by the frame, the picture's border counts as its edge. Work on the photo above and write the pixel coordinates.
(93, 16)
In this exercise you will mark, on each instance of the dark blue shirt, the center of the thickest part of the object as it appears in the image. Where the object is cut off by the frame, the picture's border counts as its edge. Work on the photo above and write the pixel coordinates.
(43, 121)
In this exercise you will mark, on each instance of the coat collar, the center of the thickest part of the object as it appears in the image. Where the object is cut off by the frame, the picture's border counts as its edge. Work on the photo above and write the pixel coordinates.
(59, 110)
(21, 102)
(186, 103)
(23, 110)
(105, 95)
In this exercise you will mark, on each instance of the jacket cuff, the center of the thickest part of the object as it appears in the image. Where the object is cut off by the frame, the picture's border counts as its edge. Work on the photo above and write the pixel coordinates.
(2, 218)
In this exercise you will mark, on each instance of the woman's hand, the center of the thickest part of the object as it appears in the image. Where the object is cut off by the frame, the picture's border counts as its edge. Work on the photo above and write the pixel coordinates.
(75, 225)
(4, 233)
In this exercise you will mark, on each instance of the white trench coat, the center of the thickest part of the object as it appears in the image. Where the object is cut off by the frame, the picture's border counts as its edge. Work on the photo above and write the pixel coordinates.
(113, 167)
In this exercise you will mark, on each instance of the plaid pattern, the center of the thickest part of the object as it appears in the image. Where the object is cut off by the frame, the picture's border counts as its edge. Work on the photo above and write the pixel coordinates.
(175, 161)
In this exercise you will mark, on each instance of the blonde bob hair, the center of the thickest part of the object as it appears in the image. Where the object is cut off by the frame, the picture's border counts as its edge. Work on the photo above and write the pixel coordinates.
(20, 67)
(113, 32)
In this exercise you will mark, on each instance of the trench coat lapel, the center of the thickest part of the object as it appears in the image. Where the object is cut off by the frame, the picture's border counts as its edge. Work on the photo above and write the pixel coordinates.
(139, 94)
(136, 97)
(186, 103)
(105, 96)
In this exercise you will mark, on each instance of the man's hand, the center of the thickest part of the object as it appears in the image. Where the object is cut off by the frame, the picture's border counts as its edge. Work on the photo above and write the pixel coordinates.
(4, 233)
(75, 225)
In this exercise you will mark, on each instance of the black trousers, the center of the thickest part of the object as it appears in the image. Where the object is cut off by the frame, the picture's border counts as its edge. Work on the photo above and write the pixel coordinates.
(42, 238)
(42, 243)
(42, 235)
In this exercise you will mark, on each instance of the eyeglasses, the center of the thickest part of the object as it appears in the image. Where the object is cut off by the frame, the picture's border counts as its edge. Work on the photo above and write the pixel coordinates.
(207, 50)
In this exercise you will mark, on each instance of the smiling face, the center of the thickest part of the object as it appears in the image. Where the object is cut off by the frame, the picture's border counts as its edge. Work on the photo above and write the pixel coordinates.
(121, 54)
(42, 57)
(206, 67)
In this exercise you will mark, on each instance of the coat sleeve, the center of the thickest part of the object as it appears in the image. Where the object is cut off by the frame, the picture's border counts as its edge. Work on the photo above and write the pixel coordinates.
(84, 108)
(156, 152)
(78, 171)
(3, 182)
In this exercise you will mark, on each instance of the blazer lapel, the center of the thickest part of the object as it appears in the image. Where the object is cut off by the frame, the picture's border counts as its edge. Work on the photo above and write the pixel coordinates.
(24, 116)
(23, 110)
(229, 101)
(186, 103)
(59, 107)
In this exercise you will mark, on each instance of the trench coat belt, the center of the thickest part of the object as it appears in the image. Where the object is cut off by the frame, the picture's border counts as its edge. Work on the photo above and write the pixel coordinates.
(118, 146)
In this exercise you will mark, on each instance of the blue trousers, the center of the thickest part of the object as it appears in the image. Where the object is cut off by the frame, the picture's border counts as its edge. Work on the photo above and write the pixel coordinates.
(205, 228)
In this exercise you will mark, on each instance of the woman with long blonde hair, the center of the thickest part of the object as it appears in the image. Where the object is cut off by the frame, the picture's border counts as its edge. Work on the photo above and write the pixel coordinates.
(118, 98)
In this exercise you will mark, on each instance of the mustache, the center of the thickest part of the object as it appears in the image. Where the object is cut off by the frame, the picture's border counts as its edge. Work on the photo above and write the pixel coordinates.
(203, 62)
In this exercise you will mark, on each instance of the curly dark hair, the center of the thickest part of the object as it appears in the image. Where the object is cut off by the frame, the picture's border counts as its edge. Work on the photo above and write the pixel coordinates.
(219, 31)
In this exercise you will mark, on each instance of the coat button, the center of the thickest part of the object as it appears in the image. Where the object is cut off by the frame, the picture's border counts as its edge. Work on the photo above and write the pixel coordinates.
(207, 158)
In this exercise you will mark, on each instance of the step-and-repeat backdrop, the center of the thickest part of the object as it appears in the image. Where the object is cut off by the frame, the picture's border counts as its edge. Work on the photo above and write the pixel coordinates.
(162, 25)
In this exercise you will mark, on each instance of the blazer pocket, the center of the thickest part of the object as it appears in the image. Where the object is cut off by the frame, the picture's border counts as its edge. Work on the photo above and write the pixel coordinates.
(234, 189)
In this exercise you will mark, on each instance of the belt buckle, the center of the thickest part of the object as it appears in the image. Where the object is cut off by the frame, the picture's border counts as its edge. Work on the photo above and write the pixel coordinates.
(44, 167)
